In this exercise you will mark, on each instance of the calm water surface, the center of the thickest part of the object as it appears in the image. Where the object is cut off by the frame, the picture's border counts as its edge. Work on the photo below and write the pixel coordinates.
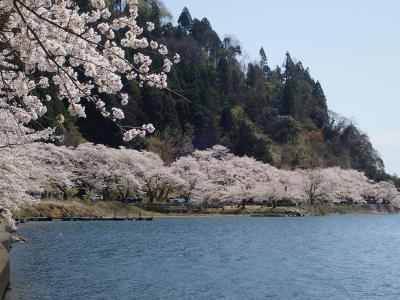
(210, 258)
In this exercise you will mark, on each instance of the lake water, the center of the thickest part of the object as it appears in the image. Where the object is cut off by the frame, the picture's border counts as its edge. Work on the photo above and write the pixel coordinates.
(343, 257)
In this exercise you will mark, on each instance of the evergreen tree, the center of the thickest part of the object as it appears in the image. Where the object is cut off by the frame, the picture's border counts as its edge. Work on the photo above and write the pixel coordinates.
(185, 19)
(264, 61)
(288, 106)
(261, 152)
(251, 75)
(225, 75)
(319, 111)
(319, 94)
(290, 67)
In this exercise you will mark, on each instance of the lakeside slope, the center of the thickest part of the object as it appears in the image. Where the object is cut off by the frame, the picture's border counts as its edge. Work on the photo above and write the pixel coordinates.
(69, 209)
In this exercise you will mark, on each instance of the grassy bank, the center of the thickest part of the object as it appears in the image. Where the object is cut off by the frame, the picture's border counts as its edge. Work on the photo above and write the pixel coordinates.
(308, 210)
(64, 209)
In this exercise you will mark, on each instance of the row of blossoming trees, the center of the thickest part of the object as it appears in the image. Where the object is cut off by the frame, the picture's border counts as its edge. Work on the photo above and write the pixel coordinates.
(215, 175)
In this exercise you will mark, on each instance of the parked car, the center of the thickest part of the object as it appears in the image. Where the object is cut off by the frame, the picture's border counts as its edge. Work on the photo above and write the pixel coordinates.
(59, 196)
(346, 202)
(133, 199)
(37, 195)
(97, 197)
(196, 200)
(285, 202)
(129, 199)
(233, 202)
(176, 201)
(257, 201)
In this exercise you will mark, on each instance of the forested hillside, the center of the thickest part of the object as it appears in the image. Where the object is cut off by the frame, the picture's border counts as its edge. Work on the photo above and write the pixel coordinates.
(277, 115)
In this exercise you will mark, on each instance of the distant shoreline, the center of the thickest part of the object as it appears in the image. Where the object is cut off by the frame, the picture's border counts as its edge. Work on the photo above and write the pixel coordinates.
(61, 210)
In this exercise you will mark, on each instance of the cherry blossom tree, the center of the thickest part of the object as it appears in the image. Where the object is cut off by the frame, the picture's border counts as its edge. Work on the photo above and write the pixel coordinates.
(349, 185)
(106, 169)
(157, 180)
(29, 171)
(381, 192)
(53, 43)
(313, 184)
(194, 180)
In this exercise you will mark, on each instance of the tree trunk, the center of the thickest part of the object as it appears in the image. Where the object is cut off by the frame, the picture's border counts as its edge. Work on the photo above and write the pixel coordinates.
(243, 204)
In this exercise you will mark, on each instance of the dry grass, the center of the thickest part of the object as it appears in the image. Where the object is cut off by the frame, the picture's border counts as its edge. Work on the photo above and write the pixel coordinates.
(64, 209)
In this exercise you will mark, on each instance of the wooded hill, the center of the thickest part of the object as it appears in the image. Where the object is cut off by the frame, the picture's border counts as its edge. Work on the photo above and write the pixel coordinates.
(277, 115)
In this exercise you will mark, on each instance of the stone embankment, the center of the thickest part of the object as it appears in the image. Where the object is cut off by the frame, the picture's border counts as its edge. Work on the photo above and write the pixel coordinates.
(5, 245)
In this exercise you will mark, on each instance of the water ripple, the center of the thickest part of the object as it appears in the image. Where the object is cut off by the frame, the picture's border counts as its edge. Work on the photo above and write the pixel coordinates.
(210, 258)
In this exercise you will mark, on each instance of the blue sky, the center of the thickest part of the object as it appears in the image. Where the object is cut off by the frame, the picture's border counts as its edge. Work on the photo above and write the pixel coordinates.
(351, 46)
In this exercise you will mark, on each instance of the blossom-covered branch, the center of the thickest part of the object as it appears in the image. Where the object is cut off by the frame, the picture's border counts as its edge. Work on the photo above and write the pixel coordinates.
(54, 43)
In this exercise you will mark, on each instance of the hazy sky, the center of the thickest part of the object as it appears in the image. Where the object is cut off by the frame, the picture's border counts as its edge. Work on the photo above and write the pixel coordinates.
(351, 46)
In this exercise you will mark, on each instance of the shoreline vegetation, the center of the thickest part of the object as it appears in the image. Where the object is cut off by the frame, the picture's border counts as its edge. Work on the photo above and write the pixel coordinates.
(56, 209)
